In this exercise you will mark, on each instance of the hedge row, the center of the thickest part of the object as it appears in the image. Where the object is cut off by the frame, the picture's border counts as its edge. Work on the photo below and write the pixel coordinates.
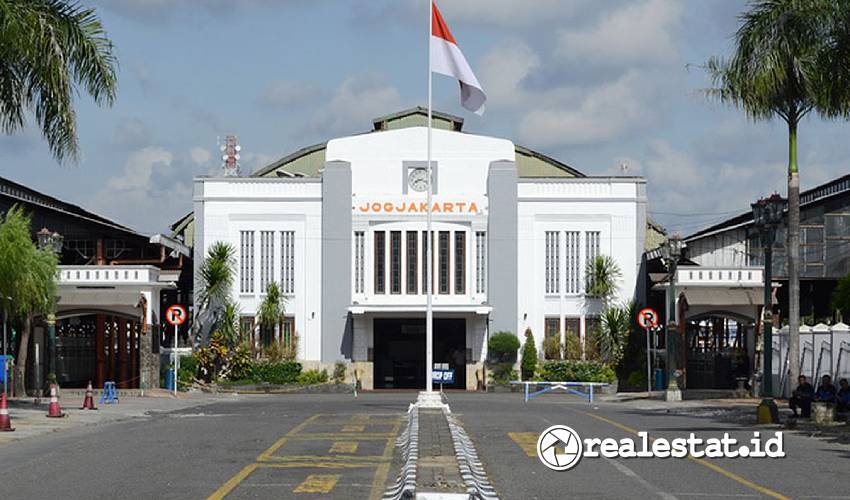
(576, 371)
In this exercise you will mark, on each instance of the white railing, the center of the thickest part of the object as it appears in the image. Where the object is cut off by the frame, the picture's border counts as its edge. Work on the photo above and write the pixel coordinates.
(107, 275)
(719, 276)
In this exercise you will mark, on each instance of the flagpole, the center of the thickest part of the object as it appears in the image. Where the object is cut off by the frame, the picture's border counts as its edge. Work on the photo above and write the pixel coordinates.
(429, 312)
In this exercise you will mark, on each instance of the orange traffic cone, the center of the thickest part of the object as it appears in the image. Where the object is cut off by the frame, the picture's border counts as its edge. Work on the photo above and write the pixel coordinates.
(88, 402)
(53, 410)
(5, 419)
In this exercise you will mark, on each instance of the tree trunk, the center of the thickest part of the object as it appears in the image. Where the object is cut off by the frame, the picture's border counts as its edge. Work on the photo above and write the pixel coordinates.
(793, 253)
(21, 361)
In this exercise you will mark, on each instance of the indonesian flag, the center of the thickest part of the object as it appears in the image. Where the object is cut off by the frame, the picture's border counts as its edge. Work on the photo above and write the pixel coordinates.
(447, 59)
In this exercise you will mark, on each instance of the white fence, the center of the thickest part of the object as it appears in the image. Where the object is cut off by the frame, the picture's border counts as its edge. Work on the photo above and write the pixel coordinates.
(824, 350)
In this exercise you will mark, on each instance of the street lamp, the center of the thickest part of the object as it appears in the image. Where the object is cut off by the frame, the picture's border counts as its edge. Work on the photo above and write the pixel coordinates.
(671, 252)
(52, 242)
(767, 216)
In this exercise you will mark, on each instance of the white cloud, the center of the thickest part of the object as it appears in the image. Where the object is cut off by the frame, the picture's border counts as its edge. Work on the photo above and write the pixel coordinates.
(200, 156)
(355, 103)
(601, 114)
(286, 93)
(509, 12)
(638, 34)
(149, 193)
(503, 72)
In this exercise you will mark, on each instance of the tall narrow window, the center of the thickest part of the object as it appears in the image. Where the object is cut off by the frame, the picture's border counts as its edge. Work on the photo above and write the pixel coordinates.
(380, 262)
(395, 262)
(266, 259)
(246, 262)
(424, 260)
(412, 262)
(591, 249)
(552, 262)
(480, 262)
(573, 264)
(460, 262)
(444, 257)
(359, 261)
(287, 332)
(287, 262)
(553, 327)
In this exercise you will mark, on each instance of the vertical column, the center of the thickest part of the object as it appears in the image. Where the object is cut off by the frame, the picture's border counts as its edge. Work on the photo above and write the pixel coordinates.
(110, 347)
(134, 354)
(124, 369)
(337, 333)
(502, 231)
(99, 350)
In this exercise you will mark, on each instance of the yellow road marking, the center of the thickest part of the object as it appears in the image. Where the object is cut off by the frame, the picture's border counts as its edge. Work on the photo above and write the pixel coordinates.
(234, 481)
(312, 464)
(343, 447)
(353, 428)
(527, 441)
(336, 436)
(330, 458)
(317, 483)
(380, 480)
(705, 463)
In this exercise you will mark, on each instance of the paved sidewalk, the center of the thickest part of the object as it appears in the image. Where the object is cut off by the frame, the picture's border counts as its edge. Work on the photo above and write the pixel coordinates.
(437, 468)
(29, 419)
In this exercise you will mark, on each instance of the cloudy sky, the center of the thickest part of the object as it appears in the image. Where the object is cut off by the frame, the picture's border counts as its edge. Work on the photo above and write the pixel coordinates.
(597, 84)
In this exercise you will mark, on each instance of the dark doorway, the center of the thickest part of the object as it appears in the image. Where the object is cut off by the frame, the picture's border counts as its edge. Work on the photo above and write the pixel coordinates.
(399, 351)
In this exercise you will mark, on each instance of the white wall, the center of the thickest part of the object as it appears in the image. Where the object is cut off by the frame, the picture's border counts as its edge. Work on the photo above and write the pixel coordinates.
(611, 206)
(260, 204)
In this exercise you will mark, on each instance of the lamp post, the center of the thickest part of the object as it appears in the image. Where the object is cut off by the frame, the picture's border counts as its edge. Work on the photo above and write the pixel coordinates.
(52, 242)
(767, 215)
(671, 252)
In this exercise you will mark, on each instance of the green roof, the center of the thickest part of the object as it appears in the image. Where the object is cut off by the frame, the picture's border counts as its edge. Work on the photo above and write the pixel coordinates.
(307, 162)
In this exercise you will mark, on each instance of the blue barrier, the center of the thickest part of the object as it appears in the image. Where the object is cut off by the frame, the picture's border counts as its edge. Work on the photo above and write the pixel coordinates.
(566, 386)
(109, 395)
(2, 366)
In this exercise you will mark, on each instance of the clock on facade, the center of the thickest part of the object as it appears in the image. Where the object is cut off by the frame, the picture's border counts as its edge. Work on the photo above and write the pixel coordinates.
(417, 179)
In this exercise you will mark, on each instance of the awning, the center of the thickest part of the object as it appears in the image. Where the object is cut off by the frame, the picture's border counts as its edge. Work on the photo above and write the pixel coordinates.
(723, 296)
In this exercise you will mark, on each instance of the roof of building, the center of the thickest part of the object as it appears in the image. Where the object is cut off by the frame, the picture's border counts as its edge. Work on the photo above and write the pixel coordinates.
(832, 188)
(24, 194)
(308, 161)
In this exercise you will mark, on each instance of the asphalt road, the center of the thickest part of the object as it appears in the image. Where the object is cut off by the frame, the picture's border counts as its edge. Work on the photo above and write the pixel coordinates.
(333, 446)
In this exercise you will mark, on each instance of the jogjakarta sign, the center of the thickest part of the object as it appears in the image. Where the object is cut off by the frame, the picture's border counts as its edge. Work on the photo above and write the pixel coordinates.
(405, 207)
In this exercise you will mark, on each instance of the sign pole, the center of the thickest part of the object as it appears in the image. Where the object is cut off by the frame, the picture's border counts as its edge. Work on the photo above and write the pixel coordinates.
(175, 359)
(648, 366)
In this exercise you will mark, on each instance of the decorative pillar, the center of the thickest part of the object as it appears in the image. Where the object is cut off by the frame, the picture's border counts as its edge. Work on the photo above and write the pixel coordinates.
(123, 369)
(51, 347)
(99, 350)
(134, 353)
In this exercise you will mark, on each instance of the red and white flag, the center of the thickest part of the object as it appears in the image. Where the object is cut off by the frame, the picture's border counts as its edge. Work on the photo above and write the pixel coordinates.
(447, 59)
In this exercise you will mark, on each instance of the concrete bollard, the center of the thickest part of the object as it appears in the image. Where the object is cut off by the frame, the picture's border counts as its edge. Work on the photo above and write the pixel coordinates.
(823, 413)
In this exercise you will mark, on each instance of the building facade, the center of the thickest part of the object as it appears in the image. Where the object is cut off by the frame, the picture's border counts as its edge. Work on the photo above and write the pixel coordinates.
(342, 228)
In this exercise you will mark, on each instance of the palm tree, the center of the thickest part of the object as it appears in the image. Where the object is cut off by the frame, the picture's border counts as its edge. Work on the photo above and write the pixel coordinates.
(611, 334)
(780, 68)
(48, 50)
(27, 282)
(602, 275)
(272, 308)
(216, 277)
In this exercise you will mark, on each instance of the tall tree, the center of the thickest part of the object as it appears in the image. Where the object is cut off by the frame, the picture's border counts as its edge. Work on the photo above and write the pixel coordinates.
(603, 275)
(778, 70)
(48, 50)
(27, 282)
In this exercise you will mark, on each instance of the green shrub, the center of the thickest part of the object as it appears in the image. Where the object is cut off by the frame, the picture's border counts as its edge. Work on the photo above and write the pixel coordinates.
(311, 377)
(339, 372)
(552, 348)
(241, 364)
(503, 347)
(576, 371)
(637, 380)
(187, 371)
(286, 372)
(503, 374)
(572, 348)
(529, 356)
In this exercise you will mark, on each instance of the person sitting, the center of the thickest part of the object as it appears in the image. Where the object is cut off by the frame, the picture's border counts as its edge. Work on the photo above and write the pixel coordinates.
(843, 396)
(802, 397)
(826, 391)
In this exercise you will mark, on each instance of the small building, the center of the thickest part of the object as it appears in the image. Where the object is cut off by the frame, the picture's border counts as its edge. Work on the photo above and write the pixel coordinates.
(720, 284)
(112, 284)
(342, 227)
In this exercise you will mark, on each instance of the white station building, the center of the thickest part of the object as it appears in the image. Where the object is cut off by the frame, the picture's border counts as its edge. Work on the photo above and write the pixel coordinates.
(341, 227)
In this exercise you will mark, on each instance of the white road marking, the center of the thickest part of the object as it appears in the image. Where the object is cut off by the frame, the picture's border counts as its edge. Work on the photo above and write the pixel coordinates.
(632, 474)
